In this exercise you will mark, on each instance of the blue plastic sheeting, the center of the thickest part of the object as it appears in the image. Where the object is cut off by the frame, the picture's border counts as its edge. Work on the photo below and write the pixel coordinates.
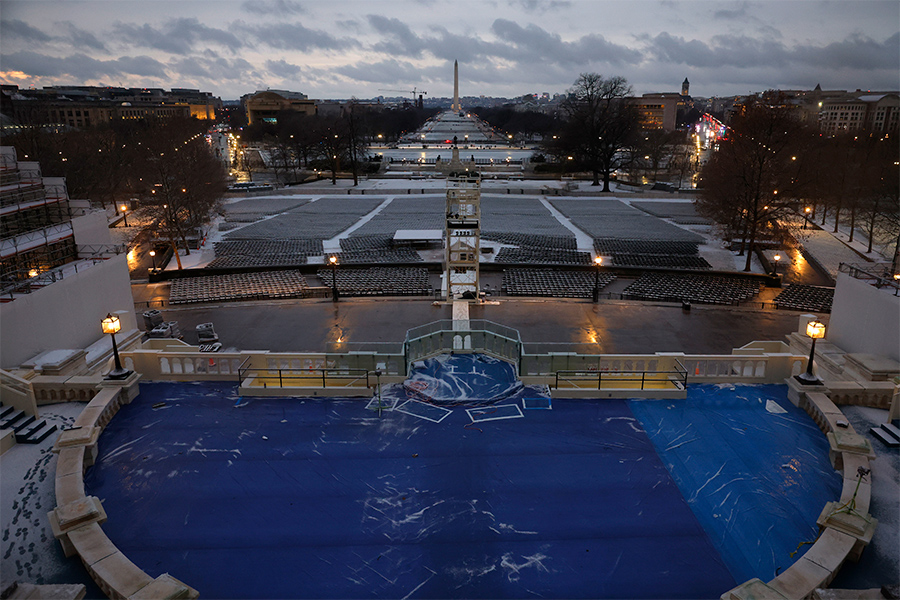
(753, 467)
(462, 378)
(291, 498)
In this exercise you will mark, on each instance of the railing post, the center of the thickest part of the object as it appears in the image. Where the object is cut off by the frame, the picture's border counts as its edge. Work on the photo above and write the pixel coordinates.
(323, 379)
(599, 379)
(643, 374)
(280, 384)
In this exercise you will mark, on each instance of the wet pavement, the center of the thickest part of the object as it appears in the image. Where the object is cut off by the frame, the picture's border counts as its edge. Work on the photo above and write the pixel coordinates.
(609, 327)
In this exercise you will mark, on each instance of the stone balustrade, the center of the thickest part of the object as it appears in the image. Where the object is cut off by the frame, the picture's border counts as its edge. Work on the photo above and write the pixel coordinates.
(77, 518)
(845, 526)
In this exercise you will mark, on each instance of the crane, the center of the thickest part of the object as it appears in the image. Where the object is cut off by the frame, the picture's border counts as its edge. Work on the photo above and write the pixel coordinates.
(413, 92)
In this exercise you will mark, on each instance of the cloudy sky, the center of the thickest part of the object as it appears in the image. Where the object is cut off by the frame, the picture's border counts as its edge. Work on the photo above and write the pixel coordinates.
(343, 48)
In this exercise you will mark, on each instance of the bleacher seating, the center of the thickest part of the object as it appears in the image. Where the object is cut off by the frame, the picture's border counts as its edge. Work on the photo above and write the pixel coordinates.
(552, 283)
(678, 261)
(805, 297)
(375, 249)
(557, 242)
(542, 256)
(239, 286)
(263, 253)
(659, 247)
(379, 281)
(702, 289)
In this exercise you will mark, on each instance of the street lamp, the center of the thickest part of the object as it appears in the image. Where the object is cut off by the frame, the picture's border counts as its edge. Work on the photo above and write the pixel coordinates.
(124, 210)
(777, 258)
(806, 211)
(815, 330)
(597, 262)
(334, 290)
(111, 326)
(153, 258)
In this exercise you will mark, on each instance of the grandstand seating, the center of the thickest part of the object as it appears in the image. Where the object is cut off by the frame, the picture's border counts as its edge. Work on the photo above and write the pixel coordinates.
(379, 281)
(542, 256)
(702, 289)
(805, 297)
(553, 283)
(240, 286)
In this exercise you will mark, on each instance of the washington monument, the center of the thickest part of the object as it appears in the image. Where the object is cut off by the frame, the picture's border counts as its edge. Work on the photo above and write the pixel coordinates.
(455, 106)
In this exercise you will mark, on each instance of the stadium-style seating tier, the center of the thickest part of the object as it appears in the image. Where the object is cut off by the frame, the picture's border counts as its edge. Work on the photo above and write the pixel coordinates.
(656, 260)
(683, 213)
(542, 256)
(522, 215)
(662, 247)
(414, 212)
(526, 240)
(240, 286)
(702, 289)
(611, 218)
(379, 281)
(263, 253)
(805, 297)
(375, 249)
(322, 219)
(553, 283)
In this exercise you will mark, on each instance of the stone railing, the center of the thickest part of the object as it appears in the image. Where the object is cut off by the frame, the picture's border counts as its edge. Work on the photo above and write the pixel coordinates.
(77, 517)
(845, 526)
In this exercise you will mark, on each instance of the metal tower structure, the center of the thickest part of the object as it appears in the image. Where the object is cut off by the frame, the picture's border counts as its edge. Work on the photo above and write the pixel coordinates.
(463, 234)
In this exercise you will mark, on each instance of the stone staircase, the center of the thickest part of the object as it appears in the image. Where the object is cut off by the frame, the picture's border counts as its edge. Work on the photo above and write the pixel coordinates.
(888, 434)
(27, 429)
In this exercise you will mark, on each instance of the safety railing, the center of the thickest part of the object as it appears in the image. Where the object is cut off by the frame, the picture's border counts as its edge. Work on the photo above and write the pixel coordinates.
(635, 379)
(303, 378)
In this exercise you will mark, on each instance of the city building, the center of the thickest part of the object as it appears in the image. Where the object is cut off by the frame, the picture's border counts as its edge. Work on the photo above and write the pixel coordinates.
(85, 106)
(875, 113)
(658, 111)
(264, 106)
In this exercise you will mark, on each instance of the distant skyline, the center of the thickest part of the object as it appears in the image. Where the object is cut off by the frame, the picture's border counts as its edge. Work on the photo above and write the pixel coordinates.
(345, 48)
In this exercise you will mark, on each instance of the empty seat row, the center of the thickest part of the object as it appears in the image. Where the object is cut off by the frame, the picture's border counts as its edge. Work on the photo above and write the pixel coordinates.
(662, 247)
(378, 281)
(805, 297)
(239, 286)
(553, 283)
(527, 240)
(544, 256)
(703, 289)
(662, 261)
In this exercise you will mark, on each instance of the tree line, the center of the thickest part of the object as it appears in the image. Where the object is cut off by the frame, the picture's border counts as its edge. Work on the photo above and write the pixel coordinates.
(167, 165)
(775, 173)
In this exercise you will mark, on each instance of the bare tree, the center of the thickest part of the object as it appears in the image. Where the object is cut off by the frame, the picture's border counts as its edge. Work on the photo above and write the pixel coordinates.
(599, 124)
(755, 178)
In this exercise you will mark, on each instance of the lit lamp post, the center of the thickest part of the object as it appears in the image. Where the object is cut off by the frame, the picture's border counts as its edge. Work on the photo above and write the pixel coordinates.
(775, 266)
(111, 326)
(124, 210)
(814, 330)
(597, 262)
(334, 289)
(153, 259)
(806, 212)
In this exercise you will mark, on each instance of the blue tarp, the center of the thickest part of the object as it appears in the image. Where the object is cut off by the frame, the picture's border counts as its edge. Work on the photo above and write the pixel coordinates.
(289, 498)
(753, 467)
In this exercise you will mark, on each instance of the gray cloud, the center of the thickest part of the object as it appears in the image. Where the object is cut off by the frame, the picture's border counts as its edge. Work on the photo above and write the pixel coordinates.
(294, 36)
(14, 28)
(176, 36)
(533, 42)
(539, 6)
(273, 7)
(282, 69)
(857, 52)
(82, 67)
(212, 67)
(81, 38)
(400, 39)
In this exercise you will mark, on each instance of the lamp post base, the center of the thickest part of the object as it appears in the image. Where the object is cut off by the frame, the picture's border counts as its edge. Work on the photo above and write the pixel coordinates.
(806, 379)
(118, 374)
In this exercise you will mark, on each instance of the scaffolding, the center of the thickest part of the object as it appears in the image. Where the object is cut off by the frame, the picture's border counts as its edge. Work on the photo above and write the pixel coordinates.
(463, 235)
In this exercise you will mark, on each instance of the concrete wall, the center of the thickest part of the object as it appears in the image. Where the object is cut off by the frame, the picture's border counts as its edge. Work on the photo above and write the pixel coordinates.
(92, 229)
(864, 319)
(66, 314)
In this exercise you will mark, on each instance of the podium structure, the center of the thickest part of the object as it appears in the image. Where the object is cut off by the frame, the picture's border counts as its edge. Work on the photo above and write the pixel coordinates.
(463, 234)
